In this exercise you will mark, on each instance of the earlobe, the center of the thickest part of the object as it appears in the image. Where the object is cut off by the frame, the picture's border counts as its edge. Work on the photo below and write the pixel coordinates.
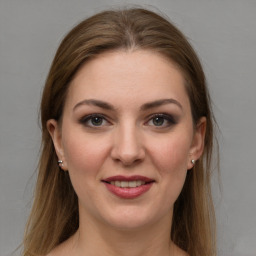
(197, 146)
(54, 130)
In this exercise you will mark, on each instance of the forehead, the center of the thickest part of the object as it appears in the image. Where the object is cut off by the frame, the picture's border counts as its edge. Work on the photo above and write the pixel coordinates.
(123, 76)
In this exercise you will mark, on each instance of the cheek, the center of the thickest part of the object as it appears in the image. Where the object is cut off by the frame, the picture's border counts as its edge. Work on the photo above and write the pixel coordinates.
(172, 153)
(84, 155)
(170, 158)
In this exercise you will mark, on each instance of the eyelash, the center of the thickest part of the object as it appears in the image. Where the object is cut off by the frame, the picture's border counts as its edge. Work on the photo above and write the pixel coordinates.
(85, 120)
(168, 119)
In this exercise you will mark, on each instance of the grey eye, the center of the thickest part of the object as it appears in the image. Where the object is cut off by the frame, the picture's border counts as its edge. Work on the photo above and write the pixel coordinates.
(162, 120)
(158, 121)
(96, 121)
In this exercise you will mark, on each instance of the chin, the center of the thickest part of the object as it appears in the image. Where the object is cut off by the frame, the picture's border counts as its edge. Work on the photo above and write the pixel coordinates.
(129, 224)
(131, 218)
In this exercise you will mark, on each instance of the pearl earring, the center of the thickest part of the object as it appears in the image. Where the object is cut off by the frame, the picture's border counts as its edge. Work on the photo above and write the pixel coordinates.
(60, 162)
(193, 161)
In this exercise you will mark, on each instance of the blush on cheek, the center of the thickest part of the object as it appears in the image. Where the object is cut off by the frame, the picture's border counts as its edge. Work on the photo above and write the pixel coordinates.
(84, 156)
(172, 155)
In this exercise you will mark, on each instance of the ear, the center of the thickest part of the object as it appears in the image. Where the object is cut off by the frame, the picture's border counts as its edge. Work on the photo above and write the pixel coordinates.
(55, 132)
(197, 146)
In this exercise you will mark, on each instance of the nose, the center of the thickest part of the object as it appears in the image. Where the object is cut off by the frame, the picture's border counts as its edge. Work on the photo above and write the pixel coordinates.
(127, 146)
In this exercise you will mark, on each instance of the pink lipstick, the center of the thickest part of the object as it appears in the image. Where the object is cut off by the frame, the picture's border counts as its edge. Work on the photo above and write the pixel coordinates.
(128, 187)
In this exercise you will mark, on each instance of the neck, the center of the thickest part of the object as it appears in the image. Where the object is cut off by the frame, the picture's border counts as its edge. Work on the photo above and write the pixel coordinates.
(93, 238)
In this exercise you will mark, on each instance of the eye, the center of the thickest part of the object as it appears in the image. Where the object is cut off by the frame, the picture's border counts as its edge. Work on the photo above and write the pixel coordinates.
(161, 120)
(94, 120)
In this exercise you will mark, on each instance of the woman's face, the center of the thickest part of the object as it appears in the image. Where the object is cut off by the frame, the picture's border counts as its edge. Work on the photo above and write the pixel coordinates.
(127, 138)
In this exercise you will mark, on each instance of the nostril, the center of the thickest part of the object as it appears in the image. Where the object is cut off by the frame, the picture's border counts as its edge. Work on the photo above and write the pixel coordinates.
(130, 162)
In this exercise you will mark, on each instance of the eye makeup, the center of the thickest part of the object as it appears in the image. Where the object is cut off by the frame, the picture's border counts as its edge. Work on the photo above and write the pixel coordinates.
(94, 120)
(162, 120)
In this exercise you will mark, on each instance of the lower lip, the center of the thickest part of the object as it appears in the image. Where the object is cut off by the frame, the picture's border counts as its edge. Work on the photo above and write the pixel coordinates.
(128, 193)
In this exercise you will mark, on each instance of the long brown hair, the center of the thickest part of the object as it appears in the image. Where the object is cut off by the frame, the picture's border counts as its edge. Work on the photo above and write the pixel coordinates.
(54, 216)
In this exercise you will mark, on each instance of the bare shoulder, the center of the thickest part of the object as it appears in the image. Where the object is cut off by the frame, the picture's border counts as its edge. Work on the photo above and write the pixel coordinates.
(179, 252)
(64, 249)
(57, 251)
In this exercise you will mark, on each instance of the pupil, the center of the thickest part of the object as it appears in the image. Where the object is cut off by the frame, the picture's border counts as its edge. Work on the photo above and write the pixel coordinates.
(158, 121)
(97, 121)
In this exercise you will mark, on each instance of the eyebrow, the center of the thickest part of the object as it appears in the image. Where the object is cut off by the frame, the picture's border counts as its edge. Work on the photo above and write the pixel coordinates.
(146, 106)
(159, 103)
(97, 103)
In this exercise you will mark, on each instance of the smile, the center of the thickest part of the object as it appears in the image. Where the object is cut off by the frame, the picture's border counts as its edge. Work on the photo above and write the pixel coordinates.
(128, 187)
(128, 184)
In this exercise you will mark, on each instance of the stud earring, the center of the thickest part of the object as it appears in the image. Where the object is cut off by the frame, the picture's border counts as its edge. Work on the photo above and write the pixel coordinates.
(193, 161)
(60, 162)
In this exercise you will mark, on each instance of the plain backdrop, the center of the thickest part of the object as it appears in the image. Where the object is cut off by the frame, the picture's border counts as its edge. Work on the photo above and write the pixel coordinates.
(223, 33)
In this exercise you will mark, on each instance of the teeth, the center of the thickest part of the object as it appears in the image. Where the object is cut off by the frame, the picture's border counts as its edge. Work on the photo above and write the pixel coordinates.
(132, 184)
(139, 183)
(128, 184)
(124, 184)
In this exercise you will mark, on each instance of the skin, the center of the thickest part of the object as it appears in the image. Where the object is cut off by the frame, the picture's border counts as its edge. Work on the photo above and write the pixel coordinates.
(126, 140)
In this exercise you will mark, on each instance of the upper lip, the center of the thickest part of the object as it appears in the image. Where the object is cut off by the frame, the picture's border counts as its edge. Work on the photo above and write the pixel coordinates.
(128, 178)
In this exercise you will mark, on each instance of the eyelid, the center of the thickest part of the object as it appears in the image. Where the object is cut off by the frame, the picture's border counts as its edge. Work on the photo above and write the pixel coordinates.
(88, 117)
(169, 118)
(172, 120)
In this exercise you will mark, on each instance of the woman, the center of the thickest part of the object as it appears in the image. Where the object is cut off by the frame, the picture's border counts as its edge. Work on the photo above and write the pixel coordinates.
(127, 136)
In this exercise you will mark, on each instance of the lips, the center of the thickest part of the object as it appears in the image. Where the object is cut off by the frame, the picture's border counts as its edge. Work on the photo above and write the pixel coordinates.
(128, 187)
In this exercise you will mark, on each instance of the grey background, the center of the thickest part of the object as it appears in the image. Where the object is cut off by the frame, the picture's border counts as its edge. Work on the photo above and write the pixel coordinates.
(224, 34)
